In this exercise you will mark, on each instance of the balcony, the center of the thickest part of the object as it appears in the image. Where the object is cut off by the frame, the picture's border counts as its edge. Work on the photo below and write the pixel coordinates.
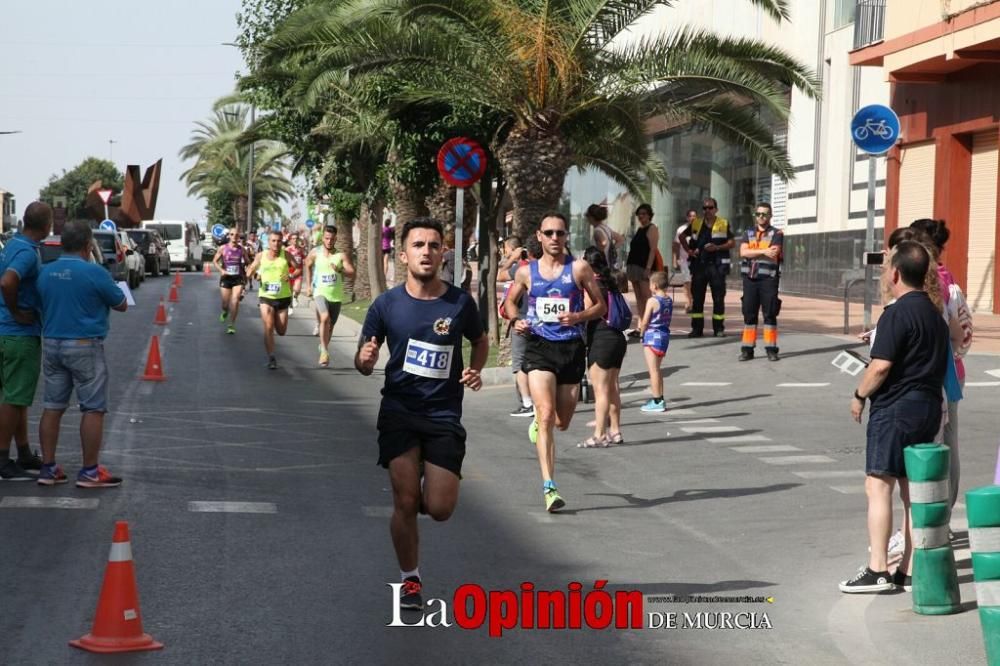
(869, 23)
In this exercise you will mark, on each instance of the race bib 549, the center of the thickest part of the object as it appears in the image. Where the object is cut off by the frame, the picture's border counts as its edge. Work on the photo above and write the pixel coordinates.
(550, 308)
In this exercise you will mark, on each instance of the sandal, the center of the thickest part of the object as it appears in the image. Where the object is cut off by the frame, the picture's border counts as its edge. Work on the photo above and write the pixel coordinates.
(614, 439)
(592, 443)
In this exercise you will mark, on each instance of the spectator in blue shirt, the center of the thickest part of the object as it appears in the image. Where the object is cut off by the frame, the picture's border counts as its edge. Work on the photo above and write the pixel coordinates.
(76, 296)
(20, 345)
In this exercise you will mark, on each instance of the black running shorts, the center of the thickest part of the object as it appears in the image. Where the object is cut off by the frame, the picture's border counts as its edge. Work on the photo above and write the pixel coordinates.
(565, 359)
(441, 443)
(230, 281)
(276, 303)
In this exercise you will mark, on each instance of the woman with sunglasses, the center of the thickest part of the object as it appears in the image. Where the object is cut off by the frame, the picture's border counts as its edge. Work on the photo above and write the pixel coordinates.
(642, 255)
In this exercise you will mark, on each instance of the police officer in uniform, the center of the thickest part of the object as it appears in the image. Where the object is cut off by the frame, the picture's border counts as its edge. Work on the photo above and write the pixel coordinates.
(710, 242)
(760, 260)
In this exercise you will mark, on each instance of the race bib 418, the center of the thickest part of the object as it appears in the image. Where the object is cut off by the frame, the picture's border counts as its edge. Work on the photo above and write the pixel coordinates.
(428, 360)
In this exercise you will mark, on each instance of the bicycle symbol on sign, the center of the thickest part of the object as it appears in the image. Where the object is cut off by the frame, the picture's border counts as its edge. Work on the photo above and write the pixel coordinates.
(879, 129)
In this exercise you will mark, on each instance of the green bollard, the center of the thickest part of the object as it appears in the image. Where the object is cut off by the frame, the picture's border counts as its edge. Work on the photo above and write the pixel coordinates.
(983, 508)
(935, 575)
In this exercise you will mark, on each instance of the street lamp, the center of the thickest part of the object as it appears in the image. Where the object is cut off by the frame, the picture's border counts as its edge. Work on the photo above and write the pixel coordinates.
(111, 149)
(250, 164)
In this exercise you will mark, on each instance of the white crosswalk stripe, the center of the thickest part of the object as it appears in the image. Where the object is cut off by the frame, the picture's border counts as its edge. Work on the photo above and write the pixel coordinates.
(711, 429)
(797, 460)
(771, 448)
(830, 474)
(232, 507)
(48, 503)
(735, 439)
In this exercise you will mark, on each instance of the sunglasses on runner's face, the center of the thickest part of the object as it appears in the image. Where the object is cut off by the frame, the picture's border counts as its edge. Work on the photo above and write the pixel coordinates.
(558, 233)
(761, 214)
(708, 207)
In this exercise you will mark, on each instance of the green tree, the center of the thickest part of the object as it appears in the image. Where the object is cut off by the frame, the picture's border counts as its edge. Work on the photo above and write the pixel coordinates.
(219, 207)
(566, 92)
(73, 184)
(221, 157)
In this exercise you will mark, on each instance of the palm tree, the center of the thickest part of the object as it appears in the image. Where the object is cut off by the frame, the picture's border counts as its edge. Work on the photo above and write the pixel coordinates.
(566, 91)
(222, 164)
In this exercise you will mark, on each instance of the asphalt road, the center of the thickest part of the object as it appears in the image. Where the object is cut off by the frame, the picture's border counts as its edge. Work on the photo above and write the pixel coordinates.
(743, 488)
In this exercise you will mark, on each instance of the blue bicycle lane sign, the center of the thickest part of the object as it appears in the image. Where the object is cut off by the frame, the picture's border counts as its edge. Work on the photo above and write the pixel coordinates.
(875, 129)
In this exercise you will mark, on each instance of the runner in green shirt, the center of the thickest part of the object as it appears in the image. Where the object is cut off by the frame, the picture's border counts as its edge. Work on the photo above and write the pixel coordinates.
(325, 270)
(275, 294)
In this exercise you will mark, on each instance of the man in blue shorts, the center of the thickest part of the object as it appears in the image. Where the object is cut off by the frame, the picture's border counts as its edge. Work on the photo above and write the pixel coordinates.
(421, 439)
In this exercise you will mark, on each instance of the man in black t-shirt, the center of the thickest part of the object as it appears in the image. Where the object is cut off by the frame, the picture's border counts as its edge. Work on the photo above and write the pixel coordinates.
(904, 382)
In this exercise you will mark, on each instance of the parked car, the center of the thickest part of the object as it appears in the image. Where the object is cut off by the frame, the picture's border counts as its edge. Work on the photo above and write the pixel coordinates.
(183, 242)
(51, 249)
(134, 260)
(153, 250)
(114, 255)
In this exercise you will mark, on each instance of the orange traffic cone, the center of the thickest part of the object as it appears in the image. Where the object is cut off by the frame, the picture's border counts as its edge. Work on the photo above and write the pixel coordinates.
(154, 367)
(178, 281)
(173, 294)
(118, 622)
(208, 270)
(161, 314)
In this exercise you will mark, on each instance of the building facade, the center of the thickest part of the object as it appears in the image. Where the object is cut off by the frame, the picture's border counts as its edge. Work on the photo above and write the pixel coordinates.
(823, 209)
(8, 211)
(942, 60)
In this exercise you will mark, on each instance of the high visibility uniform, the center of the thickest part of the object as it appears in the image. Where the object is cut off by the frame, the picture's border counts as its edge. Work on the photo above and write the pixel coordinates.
(709, 269)
(760, 287)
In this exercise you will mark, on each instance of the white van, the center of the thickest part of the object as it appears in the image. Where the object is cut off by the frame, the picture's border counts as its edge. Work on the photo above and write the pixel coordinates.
(183, 242)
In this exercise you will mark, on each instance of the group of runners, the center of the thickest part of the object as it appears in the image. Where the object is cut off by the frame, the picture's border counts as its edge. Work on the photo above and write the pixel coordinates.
(281, 267)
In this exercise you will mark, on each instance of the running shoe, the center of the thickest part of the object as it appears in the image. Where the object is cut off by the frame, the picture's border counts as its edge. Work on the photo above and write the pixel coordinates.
(902, 581)
(224, 316)
(324, 357)
(51, 475)
(654, 406)
(553, 500)
(98, 478)
(533, 432)
(230, 330)
(897, 543)
(11, 471)
(524, 411)
(31, 462)
(410, 597)
(316, 330)
(272, 363)
(867, 580)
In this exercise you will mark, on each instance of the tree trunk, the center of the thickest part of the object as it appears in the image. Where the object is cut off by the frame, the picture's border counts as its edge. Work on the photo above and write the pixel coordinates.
(407, 204)
(441, 203)
(345, 245)
(373, 237)
(240, 214)
(362, 284)
(534, 163)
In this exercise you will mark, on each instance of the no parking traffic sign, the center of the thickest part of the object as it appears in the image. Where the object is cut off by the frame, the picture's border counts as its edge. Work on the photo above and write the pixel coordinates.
(461, 162)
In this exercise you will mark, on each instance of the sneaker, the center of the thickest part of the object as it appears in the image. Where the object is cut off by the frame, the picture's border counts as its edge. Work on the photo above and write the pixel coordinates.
(316, 330)
(31, 462)
(11, 471)
(553, 500)
(410, 597)
(746, 354)
(654, 406)
(224, 316)
(291, 311)
(324, 358)
(524, 411)
(230, 330)
(51, 475)
(897, 543)
(772, 355)
(533, 432)
(99, 478)
(901, 580)
(867, 580)
(272, 363)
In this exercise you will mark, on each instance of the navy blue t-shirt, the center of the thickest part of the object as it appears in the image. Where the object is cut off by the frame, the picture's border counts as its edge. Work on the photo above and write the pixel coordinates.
(425, 349)
(911, 333)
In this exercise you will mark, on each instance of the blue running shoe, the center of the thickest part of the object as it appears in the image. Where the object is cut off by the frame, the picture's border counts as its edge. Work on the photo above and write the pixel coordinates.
(653, 405)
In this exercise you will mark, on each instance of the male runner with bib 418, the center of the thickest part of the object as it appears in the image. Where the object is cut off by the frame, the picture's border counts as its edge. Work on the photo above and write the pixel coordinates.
(555, 356)
(420, 433)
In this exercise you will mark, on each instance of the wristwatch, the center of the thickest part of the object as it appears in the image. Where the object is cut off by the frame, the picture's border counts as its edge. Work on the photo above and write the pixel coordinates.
(856, 395)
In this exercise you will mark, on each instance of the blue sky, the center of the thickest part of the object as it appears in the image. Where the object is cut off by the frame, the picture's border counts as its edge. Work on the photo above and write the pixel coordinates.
(74, 75)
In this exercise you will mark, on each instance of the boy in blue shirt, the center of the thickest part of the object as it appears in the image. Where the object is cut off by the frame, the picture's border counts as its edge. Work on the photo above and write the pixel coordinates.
(76, 296)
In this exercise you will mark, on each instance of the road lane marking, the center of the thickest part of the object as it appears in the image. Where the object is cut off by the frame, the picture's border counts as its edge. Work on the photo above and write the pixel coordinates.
(994, 373)
(232, 507)
(803, 384)
(707, 384)
(48, 503)
(738, 438)
(711, 429)
(982, 383)
(772, 448)
(795, 460)
(692, 421)
(857, 489)
(831, 474)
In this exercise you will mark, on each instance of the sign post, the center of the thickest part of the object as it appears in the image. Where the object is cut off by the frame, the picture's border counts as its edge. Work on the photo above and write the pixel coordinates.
(105, 198)
(461, 162)
(874, 129)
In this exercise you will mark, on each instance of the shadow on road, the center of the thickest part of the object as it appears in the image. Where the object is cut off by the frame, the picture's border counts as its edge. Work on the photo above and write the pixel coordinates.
(688, 589)
(633, 502)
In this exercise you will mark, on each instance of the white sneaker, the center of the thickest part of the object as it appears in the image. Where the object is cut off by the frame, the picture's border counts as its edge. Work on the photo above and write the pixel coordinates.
(316, 330)
(896, 543)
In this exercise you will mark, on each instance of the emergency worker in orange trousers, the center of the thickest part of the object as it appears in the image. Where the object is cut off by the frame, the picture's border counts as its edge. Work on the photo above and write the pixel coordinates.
(760, 266)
